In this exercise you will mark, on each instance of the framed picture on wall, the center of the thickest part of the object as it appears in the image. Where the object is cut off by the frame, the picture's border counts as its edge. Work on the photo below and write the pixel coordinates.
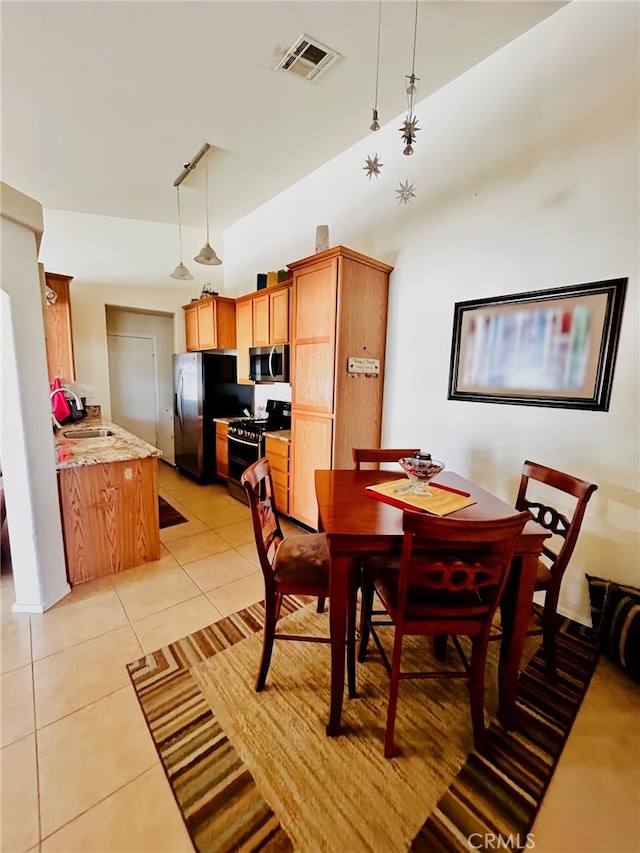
(547, 348)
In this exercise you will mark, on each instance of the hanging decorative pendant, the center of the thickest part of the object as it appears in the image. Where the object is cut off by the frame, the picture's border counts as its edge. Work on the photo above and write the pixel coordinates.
(408, 130)
(375, 122)
(410, 124)
(412, 84)
(405, 192)
(373, 166)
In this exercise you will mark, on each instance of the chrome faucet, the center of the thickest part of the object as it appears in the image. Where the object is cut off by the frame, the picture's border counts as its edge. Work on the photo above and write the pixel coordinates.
(79, 406)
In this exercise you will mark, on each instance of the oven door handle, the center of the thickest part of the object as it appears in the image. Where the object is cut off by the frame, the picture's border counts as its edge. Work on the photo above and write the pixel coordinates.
(242, 441)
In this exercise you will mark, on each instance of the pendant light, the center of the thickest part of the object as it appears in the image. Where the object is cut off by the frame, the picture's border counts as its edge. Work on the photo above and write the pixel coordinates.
(373, 165)
(375, 124)
(207, 255)
(406, 191)
(410, 125)
(180, 272)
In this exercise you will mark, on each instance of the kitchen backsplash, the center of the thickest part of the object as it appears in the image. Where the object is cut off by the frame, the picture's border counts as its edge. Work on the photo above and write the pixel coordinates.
(277, 391)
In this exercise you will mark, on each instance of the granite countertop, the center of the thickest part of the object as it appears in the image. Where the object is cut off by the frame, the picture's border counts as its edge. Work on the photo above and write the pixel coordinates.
(229, 420)
(280, 434)
(119, 447)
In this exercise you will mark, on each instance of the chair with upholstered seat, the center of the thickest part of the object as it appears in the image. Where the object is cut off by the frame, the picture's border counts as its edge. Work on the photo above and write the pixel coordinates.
(373, 456)
(565, 529)
(451, 577)
(295, 565)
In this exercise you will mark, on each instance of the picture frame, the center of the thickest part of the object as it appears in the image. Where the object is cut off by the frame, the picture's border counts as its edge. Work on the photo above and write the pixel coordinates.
(554, 347)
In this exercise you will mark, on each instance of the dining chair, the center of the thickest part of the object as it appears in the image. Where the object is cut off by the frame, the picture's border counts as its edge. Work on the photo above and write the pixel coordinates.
(555, 557)
(376, 455)
(372, 457)
(451, 577)
(292, 565)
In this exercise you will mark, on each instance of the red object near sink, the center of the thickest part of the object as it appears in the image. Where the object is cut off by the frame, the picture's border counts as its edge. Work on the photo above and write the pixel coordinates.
(59, 405)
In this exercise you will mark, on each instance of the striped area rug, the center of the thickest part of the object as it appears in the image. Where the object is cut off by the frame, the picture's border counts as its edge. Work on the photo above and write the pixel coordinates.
(223, 797)
(499, 792)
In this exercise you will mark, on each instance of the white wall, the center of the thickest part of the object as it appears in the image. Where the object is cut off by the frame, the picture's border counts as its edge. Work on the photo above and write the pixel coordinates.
(26, 431)
(95, 250)
(526, 172)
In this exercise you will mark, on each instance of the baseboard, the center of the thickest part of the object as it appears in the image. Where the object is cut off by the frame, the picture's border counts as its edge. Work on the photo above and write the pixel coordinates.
(580, 618)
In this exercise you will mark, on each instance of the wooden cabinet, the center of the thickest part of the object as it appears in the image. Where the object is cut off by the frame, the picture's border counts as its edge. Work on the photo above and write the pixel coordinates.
(244, 336)
(279, 329)
(191, 326)
(109, 517)
(210, 323)
(262, 319)
(59, 339)
(339, 310)
(271, 316)
(222, 450)
(277, 452)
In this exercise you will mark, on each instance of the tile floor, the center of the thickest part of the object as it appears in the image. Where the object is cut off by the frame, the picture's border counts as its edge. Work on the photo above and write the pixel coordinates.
(78, 769)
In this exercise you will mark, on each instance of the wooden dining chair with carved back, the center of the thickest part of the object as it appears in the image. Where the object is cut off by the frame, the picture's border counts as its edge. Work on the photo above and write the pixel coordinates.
(292, 565)
(373, 456)
(451, 578)
(564, 529)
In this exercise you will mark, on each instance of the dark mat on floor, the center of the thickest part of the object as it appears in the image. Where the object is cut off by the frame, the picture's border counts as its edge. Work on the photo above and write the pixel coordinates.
(168, 515)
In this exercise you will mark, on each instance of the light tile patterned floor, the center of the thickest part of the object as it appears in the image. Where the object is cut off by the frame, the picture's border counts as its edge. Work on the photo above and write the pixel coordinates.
(78, 769)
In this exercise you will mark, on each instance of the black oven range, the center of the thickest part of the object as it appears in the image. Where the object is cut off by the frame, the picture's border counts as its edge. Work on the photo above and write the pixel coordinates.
(246, 441)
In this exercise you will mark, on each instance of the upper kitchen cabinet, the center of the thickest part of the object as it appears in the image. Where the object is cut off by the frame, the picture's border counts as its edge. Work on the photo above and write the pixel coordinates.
(244, 336)
(260, 305)
(271, 316)
(210, 323)
(262, 319)
(338, 338)
(59, 340)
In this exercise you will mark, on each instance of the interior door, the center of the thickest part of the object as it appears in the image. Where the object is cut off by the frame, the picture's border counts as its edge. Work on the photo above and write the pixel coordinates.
(133, 385)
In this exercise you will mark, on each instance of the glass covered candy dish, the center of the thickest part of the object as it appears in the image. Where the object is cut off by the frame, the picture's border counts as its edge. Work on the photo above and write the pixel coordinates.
(420, 468)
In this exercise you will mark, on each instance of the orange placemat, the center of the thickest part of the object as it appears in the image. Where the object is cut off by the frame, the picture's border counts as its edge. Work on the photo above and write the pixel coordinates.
(442, 503)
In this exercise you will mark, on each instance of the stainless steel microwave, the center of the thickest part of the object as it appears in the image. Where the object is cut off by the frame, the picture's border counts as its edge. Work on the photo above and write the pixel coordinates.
(269, 364)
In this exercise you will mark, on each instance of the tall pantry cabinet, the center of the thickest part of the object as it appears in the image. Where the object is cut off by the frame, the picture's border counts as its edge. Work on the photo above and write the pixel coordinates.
(339, 312)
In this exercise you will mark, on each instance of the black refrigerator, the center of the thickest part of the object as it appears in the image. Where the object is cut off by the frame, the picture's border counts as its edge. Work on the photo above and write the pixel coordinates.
(204, 388)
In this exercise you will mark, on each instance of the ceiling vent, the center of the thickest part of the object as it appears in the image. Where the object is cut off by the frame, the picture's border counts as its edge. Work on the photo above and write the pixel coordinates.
(307, 58)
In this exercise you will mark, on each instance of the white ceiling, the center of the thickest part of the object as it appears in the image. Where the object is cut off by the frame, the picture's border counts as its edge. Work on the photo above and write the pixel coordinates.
(103, 102)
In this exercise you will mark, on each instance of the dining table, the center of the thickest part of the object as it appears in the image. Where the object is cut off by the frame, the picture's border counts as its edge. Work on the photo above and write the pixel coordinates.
(357, 525)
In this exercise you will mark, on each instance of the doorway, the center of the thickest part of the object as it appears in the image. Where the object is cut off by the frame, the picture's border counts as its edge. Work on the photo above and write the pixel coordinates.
(139, 352)
(133, 385)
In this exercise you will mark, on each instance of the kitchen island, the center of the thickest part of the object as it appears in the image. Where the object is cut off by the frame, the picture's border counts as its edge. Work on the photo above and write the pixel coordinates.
(108, 488)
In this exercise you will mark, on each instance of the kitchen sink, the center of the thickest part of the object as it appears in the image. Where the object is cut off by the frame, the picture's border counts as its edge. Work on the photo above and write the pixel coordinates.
(87, 433)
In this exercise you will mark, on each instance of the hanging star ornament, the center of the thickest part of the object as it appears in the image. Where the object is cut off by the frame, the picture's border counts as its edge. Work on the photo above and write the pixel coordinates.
(409, 129)
(373, 166)
(405, 192)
